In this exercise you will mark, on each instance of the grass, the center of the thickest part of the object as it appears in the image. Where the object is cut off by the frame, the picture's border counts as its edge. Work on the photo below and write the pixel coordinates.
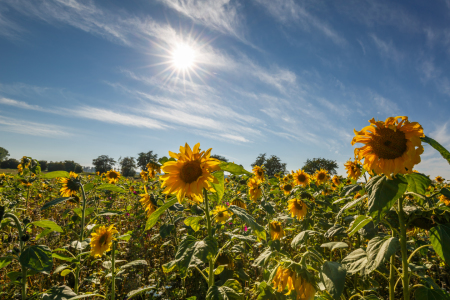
(9, 171)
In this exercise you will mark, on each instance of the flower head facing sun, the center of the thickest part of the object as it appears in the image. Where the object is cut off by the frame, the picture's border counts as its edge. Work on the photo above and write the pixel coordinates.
(112, 176)
(190, 173)
(147, 203)
(276, 230)
(297, 208)
(353, 169)
(439, 179)
(301, 178)
(321, 176)
(101, 240)
(391, 147)
(287, 188)
(259, 172)
(222, 214)
(336, 180)
(254, 188)
(70, 185)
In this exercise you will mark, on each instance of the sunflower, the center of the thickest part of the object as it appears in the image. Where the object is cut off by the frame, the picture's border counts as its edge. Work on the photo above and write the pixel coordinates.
(190, 173)
(101, 240)
(239, 203)
(25, 162)
(70, 185)
(439, 179)
(25, 182)
(294, 282)
(154, 166)
(297, 208)
(97, 173)
(390, 146)
(353, 169)
(222, 214)
(336, 180)
(259, 172)
(254, 188)
(287, 188)
(357, 196)
(301, 178)
(20, 169)
(224, 259)
(113, 176)
(444, 200)
(144, 175)
(147, 203)
(321, 176)
(276, 231)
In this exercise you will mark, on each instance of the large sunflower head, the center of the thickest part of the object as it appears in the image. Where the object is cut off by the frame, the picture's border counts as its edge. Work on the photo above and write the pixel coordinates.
(391, 147)
(353, 169)
(101, 240)
(190, 173)
(239, 203)
(276, 230)
(321, 176)
(259, 172)
(147, 203)
(444, 200)
(439, 179)
(113, 176)
(286, 278)
(70, 185)
(297, 208)
(287, 188)
(301, 178)
(222, 214)
(254, 188)
(336, 180)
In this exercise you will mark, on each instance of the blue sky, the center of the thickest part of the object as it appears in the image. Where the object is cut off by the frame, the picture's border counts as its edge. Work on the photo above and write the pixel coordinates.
(79, 79)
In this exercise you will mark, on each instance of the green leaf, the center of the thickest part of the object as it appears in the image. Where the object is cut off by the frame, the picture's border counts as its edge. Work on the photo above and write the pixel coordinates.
(48, 224)
(134, 293)
(193, 222)
(379, 250)
(231, 290)
(349, 205)
(134, 264)
(55, 174)
(383, 193)
(62, 292)
(263, 258)
(301, 237)
(87, 212)
(332, 275)
(43, 233)
(357, 224)
(440, 239)
(334, 245)
(444, 152)
(60, 268)
(151, 221)
(37, 258)
(355, 261)
(219, 187)
(249, 220)
(87, 296)
(66, 272)
(109, 213)
(110, 187)
(245, 238)
(63, 257)
(6, 260)
(234, 168)
(417, 183)
(348, 189)
(54, 202)
(88, 187)
(165, 230)
(424, 293)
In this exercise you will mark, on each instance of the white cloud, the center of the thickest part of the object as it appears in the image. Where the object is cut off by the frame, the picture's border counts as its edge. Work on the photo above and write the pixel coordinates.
(9, 28)
(20, 104)
(32, 128)
(387, 49)
(384, 105)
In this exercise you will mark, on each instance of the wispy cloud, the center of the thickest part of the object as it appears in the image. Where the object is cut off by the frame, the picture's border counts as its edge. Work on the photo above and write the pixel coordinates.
(20, 104)
(387, 49)
(32, 128)
(9, 28)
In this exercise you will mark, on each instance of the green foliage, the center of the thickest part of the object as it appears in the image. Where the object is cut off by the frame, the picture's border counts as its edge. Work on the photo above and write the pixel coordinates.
(103, 163)
(272, 165)
(127, 166)
(3, 154)
(332, 275)
(146, 157)
(315, 164)
(433, 143)
(440, 239)
(219, 157)
(231, 290)
(37, 258)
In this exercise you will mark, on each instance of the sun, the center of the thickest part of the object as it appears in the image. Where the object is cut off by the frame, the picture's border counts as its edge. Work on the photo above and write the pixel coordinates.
(183, 57)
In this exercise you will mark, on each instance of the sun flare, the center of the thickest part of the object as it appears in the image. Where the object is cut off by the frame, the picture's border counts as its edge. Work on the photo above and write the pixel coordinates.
(183, 57)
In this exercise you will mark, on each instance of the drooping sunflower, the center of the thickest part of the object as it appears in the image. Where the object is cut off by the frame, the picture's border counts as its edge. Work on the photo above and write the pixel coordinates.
(190, 173)
(147, 203)
(112, 176)
(439, 179)
(254, 188)
(97, 173)
(321, 176)
(444, 200)
(297, 208)
(305, 290)
(70, 185)
(224, 259)
(287, 188)
(20, 169)
(25, 182)
(25, 162)
(353, 169)
(144, 175)
(276, 230)
(222, 214)
(101, 240)
(239, 203)
(294, 282)
(301, 178)
(336, 180)
(154, 166)
(259, 172)
(390, 146)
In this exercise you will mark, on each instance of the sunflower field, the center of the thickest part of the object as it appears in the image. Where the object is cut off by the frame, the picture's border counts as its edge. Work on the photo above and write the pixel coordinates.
(194, 227)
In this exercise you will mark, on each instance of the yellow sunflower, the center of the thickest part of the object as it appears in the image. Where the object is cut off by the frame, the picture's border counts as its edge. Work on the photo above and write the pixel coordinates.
(259, 172)
(20, 169)
(287, 188)
(70, 185)
(297, 208)
(353, 169)
(254, 188)
(144, 175)
(101, 240)
(390, 146)
(97, 173)
(25, 162)
(239, 203)
(276, 231)
(147, 203)
(113, 176)
(190, 173)
(439, 179)
(336, 180)
(301, 178)
(321, 176)
(444, 200)
(222, 214)
(25, 182)
(294, 282)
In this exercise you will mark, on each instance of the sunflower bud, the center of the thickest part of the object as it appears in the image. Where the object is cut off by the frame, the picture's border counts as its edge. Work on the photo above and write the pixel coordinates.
(25, 237)
(26, 221)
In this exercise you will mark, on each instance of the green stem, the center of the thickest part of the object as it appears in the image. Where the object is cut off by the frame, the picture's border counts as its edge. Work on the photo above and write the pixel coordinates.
(405, 273)
(175, 231)
(208, 222)
(414, 252)
(392, 274)
(24, 269)
(80, 238)
(113, 271)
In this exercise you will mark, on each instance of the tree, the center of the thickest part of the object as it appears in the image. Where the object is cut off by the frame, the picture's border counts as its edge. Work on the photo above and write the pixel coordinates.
(56, 166)
(311, 166)
(103, 163)
(11, 163)
(43, 164)
(144, 158)
(272, 165)
(3, 154)
(219, 157)
(128, 165)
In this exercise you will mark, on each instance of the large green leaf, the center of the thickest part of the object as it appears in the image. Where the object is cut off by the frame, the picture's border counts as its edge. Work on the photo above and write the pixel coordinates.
(48, 224)
(249, 220)
(165, 230)
(379, 250)
(263, 258)
(417, 183)
(134, 263)
(334, 245)
(440, 239)
(424, 293)
(37, 258)
(444, 152)
(137, 292)
(332, 275)
(355, 261)
(219, 187)
(110, 187)
(62, 292)
(231, 290)
(349, 205)
(383, 193)
(54, 202)
(234, 168)
(348, 189)
(151, 221)
(302, 237)
(357, 224)
(6, 260)
(55, 174)
(193, 222)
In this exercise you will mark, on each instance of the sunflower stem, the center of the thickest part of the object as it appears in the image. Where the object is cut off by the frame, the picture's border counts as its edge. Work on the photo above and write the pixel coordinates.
(405, 273)
(113, 271)
(392, 274)
(208, 222)
(81, 238)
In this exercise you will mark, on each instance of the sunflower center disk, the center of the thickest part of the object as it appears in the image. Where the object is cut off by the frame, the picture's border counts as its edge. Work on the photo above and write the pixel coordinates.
(389, 144)
(191, 171)
(298, 206)
(103, 239)
(301, 178)
(321, 176)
